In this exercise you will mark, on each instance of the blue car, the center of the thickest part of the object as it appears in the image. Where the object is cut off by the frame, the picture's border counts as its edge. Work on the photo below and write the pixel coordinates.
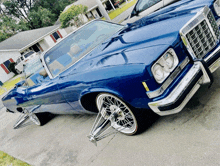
(127, 74)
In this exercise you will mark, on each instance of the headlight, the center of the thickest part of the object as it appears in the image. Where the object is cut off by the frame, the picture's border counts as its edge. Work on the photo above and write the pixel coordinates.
(165, 65)
(169, 59)
(217, 7)
(158, 72)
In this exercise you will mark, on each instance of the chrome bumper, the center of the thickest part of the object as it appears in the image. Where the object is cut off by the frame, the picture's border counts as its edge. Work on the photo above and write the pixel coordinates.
(182, 87)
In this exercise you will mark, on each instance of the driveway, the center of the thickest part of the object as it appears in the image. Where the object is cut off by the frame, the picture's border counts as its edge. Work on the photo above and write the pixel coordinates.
(191, 137)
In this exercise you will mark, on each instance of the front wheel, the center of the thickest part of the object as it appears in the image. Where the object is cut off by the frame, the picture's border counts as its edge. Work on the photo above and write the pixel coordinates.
(125, 120)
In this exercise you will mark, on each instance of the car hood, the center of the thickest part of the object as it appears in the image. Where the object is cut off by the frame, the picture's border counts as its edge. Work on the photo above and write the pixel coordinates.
(143, 41)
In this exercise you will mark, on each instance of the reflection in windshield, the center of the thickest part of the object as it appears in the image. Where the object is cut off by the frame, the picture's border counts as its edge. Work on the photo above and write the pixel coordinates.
(32, 66)
(78, 44)
(145, 4)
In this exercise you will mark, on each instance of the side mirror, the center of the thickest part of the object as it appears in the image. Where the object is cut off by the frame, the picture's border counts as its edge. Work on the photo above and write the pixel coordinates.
(134, 13)
(19, 84)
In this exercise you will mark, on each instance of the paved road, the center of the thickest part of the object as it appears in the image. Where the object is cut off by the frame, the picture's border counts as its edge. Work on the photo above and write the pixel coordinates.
(190, 138)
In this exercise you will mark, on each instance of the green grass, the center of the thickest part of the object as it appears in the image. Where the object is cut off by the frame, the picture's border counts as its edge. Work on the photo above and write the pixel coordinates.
(118, 11)
(6, 160)
(9, 85)
(123, 7)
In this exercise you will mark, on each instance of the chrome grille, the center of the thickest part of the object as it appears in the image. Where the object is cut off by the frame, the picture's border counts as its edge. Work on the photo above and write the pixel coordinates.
(213, 23)
(201, 33)
(201, 39)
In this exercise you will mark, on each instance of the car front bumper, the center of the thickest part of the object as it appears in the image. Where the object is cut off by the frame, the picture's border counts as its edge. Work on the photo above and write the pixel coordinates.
(187, 87)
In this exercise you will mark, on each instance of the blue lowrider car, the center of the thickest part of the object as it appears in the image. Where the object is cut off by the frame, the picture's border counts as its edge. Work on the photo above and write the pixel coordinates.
(126, 73)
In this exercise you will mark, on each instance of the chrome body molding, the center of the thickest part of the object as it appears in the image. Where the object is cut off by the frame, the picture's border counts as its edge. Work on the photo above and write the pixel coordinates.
(180, 88)
(217, 50)
(214, 66)
(166, 84)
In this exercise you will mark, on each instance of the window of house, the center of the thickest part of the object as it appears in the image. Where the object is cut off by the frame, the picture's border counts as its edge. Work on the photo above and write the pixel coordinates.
(55, 35)
(5, 65)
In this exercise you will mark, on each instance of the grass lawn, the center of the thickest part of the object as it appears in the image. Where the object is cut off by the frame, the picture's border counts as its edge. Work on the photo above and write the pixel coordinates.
(120, 10)
(6, 160)
(9, 85)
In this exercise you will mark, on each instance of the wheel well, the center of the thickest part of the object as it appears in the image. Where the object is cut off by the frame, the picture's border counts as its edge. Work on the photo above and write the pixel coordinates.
(88, 102)
(19, 109)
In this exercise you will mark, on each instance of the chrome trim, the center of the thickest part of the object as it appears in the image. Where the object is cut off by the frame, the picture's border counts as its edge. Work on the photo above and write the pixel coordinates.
(166, 84)
(214, 66)
(191, 24)
(180, 88)
(212, 54)
(34, 108)
(163, 64)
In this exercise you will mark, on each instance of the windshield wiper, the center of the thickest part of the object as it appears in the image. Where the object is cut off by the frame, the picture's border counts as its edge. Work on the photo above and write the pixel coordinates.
(114, 39)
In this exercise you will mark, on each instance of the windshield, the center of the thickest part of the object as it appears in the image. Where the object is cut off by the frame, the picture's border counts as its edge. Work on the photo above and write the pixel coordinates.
(145, 4)
(18, 61)
(78, 44)
(33, 67)
(28, 54)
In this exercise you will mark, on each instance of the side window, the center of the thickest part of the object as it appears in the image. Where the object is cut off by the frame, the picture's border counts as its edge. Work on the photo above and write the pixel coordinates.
(28, 54)
(18, 61)
(144, 4)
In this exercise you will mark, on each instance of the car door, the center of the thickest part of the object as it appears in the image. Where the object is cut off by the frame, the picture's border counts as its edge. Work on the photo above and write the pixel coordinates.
(48, 96)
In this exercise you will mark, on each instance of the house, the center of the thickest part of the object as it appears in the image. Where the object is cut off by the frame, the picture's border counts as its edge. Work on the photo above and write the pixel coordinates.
(92, 11)
(38, 40)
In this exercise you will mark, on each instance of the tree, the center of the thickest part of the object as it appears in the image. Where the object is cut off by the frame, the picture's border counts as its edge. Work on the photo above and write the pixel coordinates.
(55, 6)
(4, 36)
(73, 13)
(41, 18)
(10, 27)
(20, 15)
(17, 9)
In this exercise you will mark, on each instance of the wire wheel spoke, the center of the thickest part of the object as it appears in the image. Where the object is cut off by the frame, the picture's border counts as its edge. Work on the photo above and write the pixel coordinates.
(122, 118)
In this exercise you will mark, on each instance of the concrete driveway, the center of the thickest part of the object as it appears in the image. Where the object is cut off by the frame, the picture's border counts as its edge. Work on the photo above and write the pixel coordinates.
(191, 137)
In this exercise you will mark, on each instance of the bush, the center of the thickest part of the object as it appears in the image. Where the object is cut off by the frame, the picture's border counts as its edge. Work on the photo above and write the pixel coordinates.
(11, 68)
(71, 13)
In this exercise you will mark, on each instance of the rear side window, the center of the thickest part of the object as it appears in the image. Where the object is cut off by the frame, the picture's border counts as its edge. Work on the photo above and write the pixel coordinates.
(28, 54)
(18, 61)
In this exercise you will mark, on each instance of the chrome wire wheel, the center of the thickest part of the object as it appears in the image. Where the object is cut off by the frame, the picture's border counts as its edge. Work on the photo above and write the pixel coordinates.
(35, 119)
(124, 121)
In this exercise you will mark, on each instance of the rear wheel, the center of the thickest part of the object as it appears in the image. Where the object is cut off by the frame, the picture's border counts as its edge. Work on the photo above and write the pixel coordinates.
(38, 119)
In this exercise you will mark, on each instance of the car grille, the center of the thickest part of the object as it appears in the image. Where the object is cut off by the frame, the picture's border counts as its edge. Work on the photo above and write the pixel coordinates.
(201, 34)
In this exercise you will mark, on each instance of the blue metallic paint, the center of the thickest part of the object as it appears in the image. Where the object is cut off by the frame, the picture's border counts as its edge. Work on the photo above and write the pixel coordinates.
(117, 68)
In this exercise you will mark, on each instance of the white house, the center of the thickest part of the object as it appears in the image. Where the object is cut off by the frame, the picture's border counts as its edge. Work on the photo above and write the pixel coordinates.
(38, 40)
(92, 11)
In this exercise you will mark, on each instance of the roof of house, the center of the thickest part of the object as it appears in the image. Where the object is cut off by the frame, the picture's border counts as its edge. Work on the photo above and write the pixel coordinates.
(91, 4)
(25, 39)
